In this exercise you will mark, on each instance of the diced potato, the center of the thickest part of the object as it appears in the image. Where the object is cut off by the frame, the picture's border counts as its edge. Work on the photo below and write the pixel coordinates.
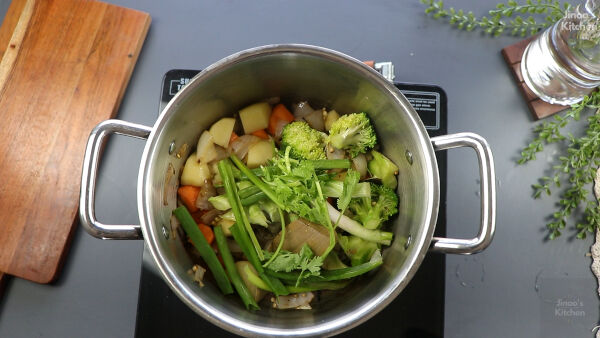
(194, 173)
(206, 148)
(221, 131)
(255, 117)
(332, 116)
(259, 153)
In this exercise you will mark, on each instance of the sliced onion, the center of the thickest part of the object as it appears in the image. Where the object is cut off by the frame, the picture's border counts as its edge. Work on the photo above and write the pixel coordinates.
(294, 301)
(279, 128)
(209, 216)
(301, 109)
(241, 145)
(198, 274)
(359, 163)
(334, 153)
(221, 153)
(206, 190)
(315, 120)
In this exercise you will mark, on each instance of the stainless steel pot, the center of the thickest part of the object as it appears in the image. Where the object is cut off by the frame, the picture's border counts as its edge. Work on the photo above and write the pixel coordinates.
(292, 72)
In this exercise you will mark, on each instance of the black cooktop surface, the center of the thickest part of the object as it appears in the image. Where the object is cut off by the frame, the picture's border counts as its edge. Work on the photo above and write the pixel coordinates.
(417, 312)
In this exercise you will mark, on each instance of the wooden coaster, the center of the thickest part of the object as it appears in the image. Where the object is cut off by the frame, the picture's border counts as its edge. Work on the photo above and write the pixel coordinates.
(513, 55)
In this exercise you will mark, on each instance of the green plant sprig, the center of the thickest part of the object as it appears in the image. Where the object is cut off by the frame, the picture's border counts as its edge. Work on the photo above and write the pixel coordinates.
(576, 170)
(509, 17)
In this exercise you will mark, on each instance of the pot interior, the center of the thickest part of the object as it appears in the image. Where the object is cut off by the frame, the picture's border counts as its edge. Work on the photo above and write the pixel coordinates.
(323, 78)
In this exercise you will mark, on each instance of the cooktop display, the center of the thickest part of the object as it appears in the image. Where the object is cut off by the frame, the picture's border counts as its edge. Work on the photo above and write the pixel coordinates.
(417, 312)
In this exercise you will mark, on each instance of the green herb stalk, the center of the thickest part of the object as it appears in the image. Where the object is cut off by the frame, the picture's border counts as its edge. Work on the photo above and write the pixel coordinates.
(576, 169)
(510, 17)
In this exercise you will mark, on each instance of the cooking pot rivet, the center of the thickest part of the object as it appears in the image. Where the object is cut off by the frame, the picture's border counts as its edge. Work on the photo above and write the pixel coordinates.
(172, 147)
(165, 232)
(409, 157)
(408, 242)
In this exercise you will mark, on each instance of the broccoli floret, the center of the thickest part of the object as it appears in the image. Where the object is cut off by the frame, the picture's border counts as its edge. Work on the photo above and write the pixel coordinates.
(304, 141)
(357, 249)
(384, 169)
(372, 211)
(352, 132)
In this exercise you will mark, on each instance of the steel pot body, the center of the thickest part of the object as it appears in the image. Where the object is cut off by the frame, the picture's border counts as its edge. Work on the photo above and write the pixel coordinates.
(324, 78)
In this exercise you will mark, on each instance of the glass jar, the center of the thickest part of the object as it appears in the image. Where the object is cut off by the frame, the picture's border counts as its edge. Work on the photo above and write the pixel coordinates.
(562, 64)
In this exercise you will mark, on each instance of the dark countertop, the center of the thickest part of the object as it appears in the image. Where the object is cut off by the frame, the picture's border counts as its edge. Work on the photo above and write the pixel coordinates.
(510, 290)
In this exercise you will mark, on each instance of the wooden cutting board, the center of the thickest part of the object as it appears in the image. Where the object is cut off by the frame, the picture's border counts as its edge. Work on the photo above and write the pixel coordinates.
(65, 66)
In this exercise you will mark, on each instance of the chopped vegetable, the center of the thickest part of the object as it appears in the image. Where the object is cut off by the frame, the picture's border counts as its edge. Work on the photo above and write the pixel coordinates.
(206, 148)
(207, 253)
(261, 133)
(372, 211)
(259, 153)
(255, 117)
(241, 145)
(302, 232)
(222, 131)
(280, 114)
(384, 169)
(359, 250)
(194, 172)
(207, 232)
(233, 137)
(188, 195)
(220, 202)
(352, 132)
(299, 301)
(305, 142)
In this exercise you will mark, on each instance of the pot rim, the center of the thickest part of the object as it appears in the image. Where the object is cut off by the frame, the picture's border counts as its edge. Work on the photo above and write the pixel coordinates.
(349, 319)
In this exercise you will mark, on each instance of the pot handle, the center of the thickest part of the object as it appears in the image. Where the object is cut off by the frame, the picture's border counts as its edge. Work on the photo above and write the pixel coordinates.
(487, 189)
(95, 144)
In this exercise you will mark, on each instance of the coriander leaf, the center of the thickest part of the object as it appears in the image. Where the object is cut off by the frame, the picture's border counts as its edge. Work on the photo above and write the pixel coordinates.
(285, 261)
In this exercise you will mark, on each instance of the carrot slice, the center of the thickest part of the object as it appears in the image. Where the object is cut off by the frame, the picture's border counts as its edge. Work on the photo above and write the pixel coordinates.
(207, 232)
(233, 137)
(261, 133)
(188, 195)
(279, 113)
